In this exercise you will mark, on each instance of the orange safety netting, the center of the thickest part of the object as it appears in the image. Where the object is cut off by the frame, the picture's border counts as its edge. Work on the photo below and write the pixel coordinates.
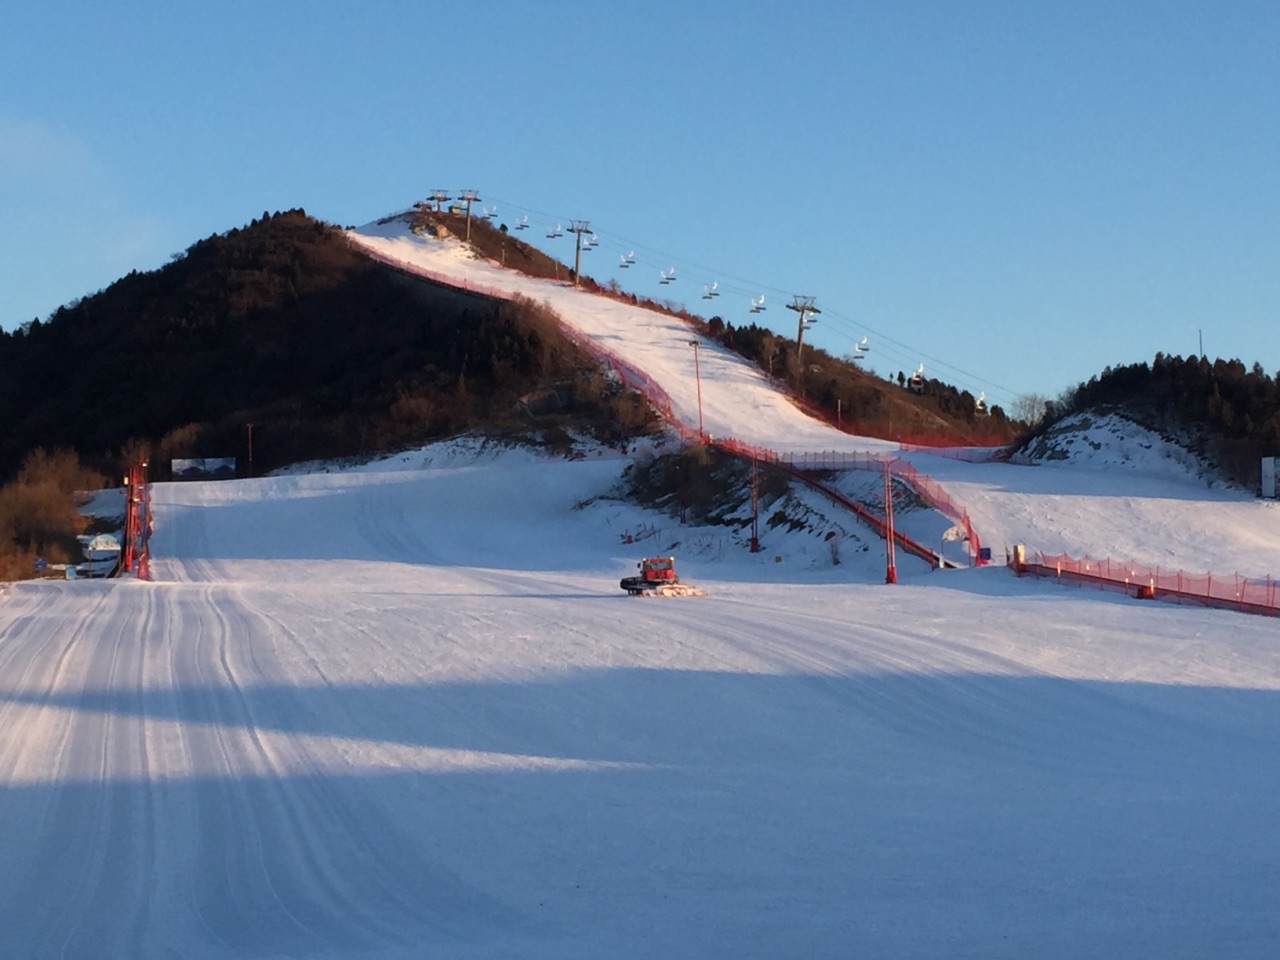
(1254, 594)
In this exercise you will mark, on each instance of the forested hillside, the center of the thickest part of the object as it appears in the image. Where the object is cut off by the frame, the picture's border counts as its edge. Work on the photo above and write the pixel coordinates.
(272, 344)
(1224, 411)
(284, 326)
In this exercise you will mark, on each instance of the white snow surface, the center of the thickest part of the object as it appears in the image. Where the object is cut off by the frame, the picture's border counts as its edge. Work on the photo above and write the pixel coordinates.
(405, 711)
(737, 398)
(1127, 495)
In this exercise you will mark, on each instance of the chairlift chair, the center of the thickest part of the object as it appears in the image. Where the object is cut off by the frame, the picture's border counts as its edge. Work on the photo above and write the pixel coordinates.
(757, 304)
(916, 382)
(523, 223)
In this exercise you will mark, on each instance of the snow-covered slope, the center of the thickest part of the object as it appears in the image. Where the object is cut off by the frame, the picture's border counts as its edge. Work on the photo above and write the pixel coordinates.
(737, 399)
(1106, 487)
(407, 712)
(1146, 503)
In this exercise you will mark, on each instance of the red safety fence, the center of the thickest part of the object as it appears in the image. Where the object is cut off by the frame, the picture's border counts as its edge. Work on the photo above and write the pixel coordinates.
(879, 524)
(136, 549)
(941, 501)
(443, 279)
(952, 451)
(1260, 595)
(977, 447)
(923, 485)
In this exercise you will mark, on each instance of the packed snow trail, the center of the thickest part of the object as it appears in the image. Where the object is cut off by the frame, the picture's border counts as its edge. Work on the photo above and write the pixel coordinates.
(1143, 497)
(412, 715)
(737, 399)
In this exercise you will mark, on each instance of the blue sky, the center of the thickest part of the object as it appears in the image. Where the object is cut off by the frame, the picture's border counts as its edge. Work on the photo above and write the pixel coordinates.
(1014, 194)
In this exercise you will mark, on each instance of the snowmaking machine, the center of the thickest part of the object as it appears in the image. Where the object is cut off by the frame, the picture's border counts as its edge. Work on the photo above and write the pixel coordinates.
(658, 578)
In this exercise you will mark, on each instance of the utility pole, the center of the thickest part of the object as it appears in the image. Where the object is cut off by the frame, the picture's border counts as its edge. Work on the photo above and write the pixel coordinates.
(579, 227)
(469, 197)
(803, 306)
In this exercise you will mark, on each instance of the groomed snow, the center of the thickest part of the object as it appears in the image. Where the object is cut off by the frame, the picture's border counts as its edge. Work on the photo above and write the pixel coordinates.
(1146, 504)
(737, 400)
(1118, 491)
(405, 711)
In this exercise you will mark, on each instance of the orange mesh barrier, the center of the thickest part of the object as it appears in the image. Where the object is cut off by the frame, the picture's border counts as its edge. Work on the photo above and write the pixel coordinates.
(1250, 594)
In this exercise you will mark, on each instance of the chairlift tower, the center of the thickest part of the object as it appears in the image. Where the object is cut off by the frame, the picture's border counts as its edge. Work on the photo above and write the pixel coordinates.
(578, 227)
(439, 197)
(803, 306)
(469, 197)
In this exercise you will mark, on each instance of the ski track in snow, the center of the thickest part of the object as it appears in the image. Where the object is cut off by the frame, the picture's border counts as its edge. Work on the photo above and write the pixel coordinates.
(405, 711)
(316, 734)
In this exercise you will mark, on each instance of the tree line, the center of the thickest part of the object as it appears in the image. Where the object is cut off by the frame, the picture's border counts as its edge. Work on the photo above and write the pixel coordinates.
(1224, 411)
(285, 325)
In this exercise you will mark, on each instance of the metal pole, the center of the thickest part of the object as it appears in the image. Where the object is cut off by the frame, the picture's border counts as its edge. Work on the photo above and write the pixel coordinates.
(578, 227)
(755, 505)
(697, 374)
(891, 566)
(469, 196)
(250, 427)
(803, 306)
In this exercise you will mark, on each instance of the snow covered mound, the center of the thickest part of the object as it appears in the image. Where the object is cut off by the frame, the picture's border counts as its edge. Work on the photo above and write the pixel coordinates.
(1110, 440)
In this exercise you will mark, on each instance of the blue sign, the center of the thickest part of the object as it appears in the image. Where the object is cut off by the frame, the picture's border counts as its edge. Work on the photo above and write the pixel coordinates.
(984, 553)
(41, 564)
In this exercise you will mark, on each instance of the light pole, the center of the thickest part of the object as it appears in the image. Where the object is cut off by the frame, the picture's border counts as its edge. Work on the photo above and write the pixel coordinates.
(697, 375)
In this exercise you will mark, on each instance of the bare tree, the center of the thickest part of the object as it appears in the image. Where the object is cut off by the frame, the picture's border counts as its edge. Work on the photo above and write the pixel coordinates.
(1029, 408)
